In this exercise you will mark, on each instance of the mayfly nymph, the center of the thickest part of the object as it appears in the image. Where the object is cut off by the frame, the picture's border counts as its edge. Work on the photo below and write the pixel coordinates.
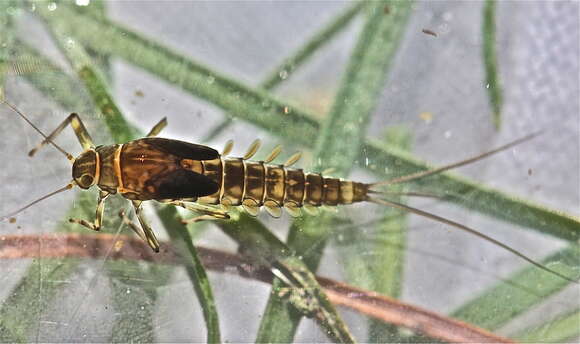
(199, 179)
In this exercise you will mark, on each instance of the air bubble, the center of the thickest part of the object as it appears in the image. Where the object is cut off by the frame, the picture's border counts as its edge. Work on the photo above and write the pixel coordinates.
(283, 74)
(444, 28)
(52, 6)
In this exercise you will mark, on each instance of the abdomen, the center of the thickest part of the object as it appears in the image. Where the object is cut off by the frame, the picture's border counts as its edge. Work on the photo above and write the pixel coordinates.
(255, 184)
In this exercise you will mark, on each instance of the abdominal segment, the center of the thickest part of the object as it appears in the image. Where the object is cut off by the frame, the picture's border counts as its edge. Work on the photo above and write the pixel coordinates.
(254, 184)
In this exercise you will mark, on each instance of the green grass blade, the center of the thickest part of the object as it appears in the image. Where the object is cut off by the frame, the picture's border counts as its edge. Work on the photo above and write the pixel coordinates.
(65, 91)
(388, 260)
(237, 99)
(306, 296)
(290, 65)
(560, 330)
(384, 272)
(389, 268)
(280, 321)
(502, 303)
(31, 293)
(51, 80)
(540, 217)
(97, 8)
(141, 299)
(183, 242)
(135, 301)
(21, 311)
(299, 127)
(473, 195)
(481, 199)
(493, 86)
(122, 132)
(279, 312)
(362, 82)
(7, 11)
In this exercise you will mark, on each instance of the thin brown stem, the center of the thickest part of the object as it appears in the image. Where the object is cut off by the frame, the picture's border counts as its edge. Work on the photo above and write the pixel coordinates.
(366, 302)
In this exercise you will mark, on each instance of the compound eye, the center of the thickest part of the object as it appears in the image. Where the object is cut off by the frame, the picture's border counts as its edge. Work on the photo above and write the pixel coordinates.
(86, 180)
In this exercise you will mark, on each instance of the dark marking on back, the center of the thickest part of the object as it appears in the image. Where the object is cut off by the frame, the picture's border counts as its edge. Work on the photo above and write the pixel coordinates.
(184, 150)
(182, 184)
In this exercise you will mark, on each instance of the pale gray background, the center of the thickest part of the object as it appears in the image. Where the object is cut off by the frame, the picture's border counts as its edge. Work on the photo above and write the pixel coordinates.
(538, 44)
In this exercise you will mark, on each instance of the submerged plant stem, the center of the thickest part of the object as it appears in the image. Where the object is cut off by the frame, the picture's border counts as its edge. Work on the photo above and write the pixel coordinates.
(291, 64)
(493, 86)
(363, 79)
(366, 302)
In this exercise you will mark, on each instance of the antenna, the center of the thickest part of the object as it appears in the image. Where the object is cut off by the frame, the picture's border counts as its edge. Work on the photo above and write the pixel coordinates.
(67, 187)
(68, 156)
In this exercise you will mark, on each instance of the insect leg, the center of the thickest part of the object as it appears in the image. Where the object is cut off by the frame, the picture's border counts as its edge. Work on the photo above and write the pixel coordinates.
(79, 128)
(209, 213)
(96, 225)
(132, 225)
(149, 235)
(200, 218)
(158, 127)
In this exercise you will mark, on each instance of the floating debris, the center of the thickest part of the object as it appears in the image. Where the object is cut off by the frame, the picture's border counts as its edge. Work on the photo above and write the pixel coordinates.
(426, 116)
(429, 32)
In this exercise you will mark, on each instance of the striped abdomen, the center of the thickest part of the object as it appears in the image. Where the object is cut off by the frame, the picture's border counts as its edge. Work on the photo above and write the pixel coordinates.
(253, 184)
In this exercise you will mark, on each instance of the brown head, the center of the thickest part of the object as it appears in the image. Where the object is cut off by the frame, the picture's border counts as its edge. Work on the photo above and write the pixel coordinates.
(84, 171)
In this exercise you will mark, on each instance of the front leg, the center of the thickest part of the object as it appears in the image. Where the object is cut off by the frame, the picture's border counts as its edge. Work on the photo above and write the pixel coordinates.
(96, 225)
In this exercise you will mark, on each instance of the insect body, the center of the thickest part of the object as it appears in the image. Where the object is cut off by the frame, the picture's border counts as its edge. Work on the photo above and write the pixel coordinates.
(171, 171)
(199, 179)
(194, 177)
